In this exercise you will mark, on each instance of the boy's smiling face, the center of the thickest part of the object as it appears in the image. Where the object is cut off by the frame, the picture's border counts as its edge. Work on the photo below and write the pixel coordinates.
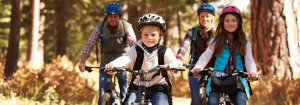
(150, 35)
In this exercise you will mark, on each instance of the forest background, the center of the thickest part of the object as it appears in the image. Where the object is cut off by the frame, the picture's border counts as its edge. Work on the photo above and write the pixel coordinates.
(41, 42)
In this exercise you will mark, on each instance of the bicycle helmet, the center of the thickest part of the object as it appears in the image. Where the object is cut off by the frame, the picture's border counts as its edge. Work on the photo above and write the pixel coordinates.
(206, 8)
(112, 8)
(231, 9)
(151, 19)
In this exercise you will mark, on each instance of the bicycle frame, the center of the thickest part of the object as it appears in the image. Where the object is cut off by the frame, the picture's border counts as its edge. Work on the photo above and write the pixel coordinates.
(110, 86)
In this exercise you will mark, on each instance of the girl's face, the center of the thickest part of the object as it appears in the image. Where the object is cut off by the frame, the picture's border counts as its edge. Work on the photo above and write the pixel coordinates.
(230, 23)
(205, 19)
(150, 35)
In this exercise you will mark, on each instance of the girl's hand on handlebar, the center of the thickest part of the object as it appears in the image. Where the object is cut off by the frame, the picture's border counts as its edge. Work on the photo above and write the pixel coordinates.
(173, 65)
(195, 72)
(253, 77)
(82, 67)
(109, 66)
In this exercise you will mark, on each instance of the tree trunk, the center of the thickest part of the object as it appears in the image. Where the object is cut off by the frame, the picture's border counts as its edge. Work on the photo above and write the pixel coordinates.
(275, 28)
(14, 35)
(143, 8)
(61, 43)
(133, 17)
(179, 27)
(205, 1)
(167, 20)
(36, 43)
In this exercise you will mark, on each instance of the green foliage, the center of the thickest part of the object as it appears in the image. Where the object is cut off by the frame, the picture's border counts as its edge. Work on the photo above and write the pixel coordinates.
(51, 97)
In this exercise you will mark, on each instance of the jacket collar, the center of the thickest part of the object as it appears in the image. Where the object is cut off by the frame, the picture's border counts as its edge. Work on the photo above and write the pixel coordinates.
(140, 44)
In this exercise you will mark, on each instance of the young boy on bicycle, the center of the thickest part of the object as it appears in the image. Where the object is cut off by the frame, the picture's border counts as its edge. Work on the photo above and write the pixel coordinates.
(152, 28)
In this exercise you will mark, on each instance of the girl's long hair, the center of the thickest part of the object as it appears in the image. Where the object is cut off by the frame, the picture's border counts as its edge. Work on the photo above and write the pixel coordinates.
(239, 40)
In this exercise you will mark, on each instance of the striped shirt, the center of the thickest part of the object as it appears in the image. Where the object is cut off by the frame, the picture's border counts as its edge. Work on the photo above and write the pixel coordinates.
(94, 38)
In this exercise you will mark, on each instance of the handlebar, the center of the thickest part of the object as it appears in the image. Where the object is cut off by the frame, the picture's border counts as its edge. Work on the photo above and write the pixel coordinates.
(204, 72)
(210, 71)
(121, 69)
(190, 66)
(89, 69)
(243, 74)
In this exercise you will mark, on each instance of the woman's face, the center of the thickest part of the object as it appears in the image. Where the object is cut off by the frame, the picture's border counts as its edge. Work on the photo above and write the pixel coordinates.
(205, 19)
(230, 23)
(150, 35)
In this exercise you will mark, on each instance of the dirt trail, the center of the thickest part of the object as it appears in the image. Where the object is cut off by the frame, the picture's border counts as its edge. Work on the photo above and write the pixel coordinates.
(181, 101)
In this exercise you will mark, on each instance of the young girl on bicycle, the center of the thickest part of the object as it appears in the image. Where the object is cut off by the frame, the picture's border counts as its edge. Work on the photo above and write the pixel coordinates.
(198, 38)
(230, 47)
(151, 27)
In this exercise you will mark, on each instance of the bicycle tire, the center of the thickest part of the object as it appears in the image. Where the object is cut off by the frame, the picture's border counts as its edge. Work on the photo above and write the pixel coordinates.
(106, 99)
(203, 98)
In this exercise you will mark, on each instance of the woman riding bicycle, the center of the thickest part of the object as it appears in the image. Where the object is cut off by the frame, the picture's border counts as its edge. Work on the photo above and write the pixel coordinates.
(198, 39)
(230, 47)
(151, 27)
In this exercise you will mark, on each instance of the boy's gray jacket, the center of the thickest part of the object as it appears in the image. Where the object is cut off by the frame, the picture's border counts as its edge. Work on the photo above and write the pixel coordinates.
(150, 61)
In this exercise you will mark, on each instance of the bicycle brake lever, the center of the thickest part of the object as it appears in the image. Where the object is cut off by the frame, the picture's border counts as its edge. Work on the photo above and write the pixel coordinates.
(234, 74)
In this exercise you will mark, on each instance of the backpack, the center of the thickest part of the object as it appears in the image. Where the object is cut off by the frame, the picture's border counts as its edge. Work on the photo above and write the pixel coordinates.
(138, 64)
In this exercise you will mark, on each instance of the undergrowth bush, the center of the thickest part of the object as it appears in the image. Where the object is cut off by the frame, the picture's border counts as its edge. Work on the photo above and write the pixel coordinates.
(60, 80)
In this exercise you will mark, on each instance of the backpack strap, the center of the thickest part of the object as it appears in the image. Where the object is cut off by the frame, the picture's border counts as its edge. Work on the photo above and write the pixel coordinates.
(137, 66)
(164, 73)
(194, 32)
(160, 55)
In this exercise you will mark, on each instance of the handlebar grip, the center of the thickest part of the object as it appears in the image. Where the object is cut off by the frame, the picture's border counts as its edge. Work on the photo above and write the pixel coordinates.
(89, 69)
(248, 76)
(162, 66)
(181, 68)
(122, 68)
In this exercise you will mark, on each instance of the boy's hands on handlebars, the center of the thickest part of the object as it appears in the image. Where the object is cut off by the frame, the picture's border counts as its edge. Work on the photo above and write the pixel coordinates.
(173, 65)
(253, 77)
(82, 67)
(195, 72)
(110, 66)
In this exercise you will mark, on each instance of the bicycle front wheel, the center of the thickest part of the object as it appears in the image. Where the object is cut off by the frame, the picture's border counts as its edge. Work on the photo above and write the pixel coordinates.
(106, 99)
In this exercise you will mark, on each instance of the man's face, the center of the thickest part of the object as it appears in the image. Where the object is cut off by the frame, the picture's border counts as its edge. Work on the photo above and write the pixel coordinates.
(113, 20)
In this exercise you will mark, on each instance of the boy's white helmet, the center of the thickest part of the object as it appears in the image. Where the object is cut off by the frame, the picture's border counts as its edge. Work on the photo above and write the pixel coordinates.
(151, 19)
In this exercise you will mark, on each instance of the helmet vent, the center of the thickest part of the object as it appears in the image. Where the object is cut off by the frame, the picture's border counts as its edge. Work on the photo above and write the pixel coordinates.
(157, 18)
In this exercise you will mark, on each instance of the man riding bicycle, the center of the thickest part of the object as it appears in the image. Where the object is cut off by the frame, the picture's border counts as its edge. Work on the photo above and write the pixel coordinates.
(116, 36)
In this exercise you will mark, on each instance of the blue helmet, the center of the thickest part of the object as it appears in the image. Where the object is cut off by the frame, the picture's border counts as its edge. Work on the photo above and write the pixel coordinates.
(112, 8)
(206, 8)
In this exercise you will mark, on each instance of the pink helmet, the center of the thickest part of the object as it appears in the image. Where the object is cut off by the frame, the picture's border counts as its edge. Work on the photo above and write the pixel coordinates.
(230, 9)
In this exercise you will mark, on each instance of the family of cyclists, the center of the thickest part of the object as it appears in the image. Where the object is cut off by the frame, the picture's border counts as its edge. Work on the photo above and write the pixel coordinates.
(226, 50)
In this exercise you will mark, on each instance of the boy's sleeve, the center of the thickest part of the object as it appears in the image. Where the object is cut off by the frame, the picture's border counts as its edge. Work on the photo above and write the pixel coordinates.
(169, 57)
(126, 60)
